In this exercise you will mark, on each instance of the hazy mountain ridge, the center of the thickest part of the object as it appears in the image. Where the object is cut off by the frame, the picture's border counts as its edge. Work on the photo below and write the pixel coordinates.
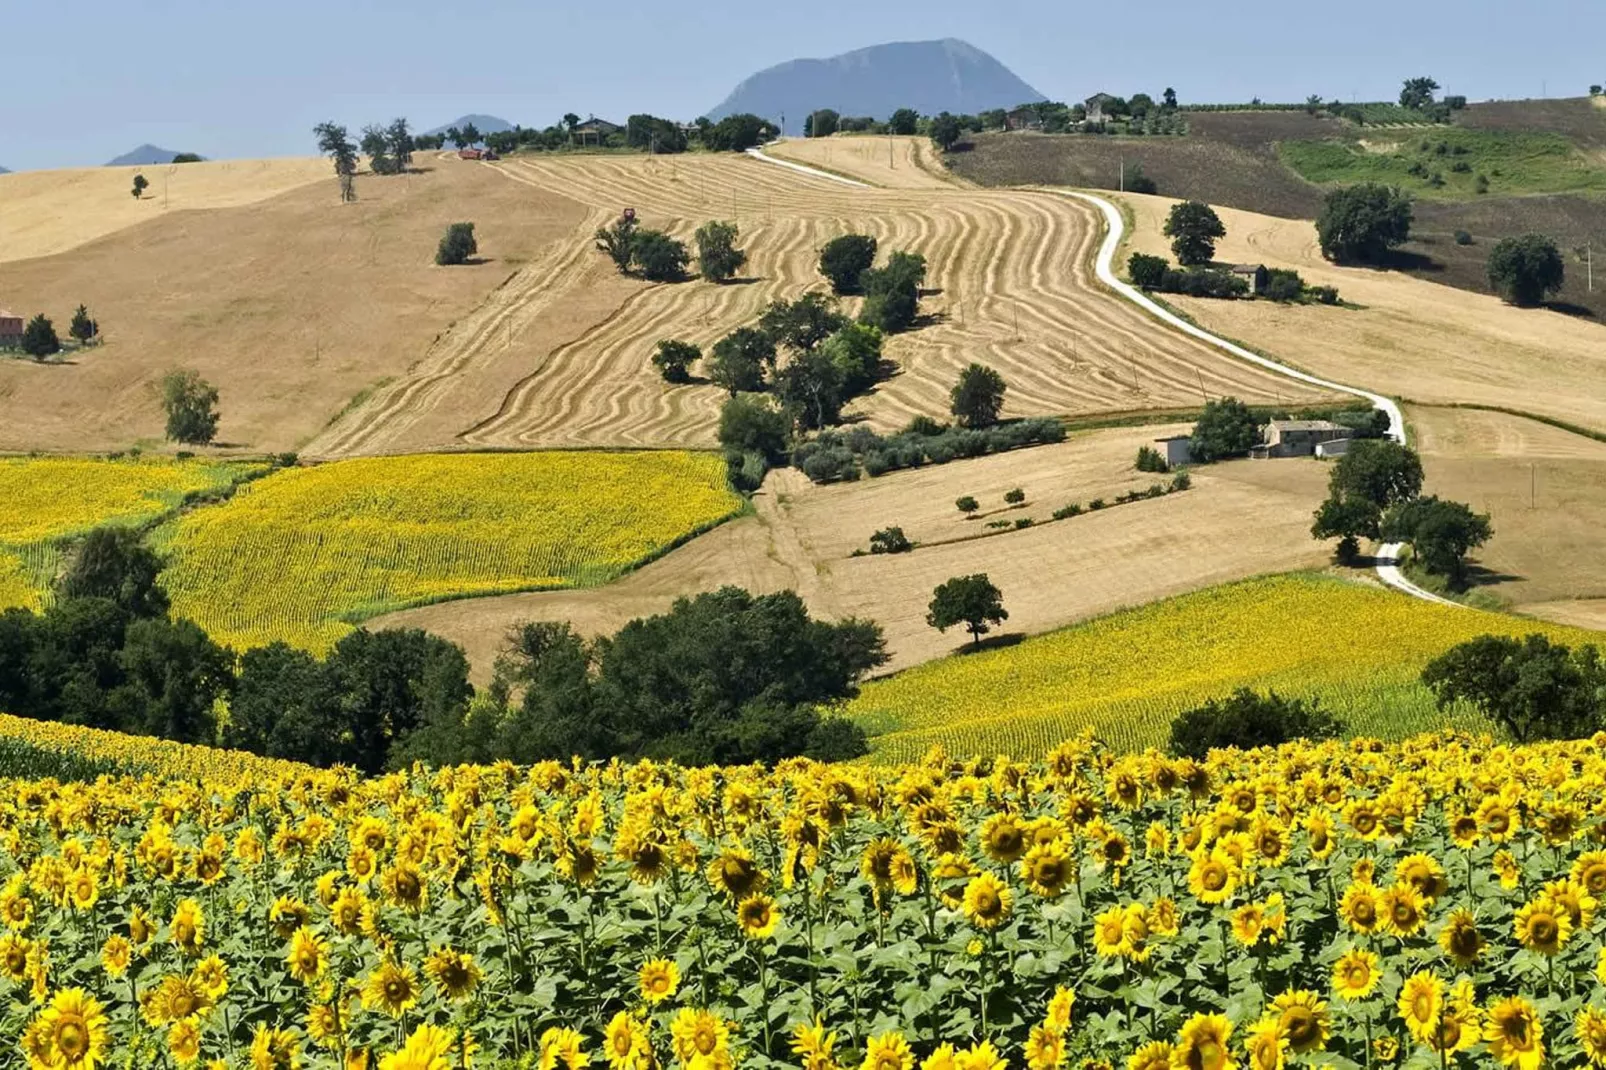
(485, 124)
(928, 76)
(144, 156)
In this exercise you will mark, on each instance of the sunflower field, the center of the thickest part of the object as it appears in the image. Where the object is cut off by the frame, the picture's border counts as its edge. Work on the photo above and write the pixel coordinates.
(1423, 904)
(305, 553)
(1357, 648)
(47, 499)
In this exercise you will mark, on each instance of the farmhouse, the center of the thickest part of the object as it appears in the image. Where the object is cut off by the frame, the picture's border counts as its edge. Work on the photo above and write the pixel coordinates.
(10, 330)
(1254, 274)
(1177, 450)
(1096, 104)
(600, 129)
(1023, 119)
(1302, 438)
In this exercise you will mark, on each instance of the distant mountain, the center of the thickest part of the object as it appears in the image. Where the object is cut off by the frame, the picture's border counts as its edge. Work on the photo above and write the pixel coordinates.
(5, 170)
(144, 156)
(928, 76)
(485, 124)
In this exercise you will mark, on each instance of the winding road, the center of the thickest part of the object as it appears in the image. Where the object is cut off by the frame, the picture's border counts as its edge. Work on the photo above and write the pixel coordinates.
(1388, 555)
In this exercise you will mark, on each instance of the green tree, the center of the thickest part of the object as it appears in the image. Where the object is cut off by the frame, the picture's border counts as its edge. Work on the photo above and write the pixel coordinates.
(738, 133)
(619, 242)
(718, 258)
(1417, 92)
(82, 327)
(821, 123)
(283, 707)
(1440, 533)
(966, 504)
(844, 260)
(140, 186)
(945, 131)
(1226, 428)
(803, 324)
(890, 540)
(400, 145)
(978, 397)
(741, 358)
(904, 122)
(1147, 271)
(457, 245)
(1526, 270)
(39, 338)
(1169, 99)
(659, 258)
(471, 134)
(1533, 688)
(892, 293)
(388, 683)
(335, 143)
(1193, 228)
(969, 600)
(674, 359)
(1374, 475)
(1246, 720)
(173, 678)
(1347, 520)
(186, 157)
(1362, 223)
(375, 144)
(811, 388)
(856, 349)
(751, 424)
(114, 564)
(191, 406)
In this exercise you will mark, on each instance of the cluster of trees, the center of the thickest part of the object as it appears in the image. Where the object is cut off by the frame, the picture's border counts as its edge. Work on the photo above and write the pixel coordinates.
(1532, 687)
(825, 122)
(1155, 274)
(40, 340)
(1247, 720)
(834, 456)
(644, 132)
(726, 677)
(1375, 492)
(650, 254)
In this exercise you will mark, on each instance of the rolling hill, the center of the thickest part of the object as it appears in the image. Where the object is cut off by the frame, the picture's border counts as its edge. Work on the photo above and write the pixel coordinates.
(929, 76)
(144, 156)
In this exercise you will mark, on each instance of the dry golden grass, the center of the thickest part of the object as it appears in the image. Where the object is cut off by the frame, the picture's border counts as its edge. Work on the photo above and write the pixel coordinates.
(1412, 339)
(48, 212)
(1544, 488)
(892, 162)
(562, 358)
(1241, 519)
(291, 305)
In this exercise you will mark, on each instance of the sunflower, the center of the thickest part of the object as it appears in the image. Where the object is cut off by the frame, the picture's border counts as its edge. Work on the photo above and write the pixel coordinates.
(175, 999)
(987, 901)
(1355, 974)
(428, 1048)
(1003, 839)
(1420, 1003)
(15, 954)
(1543, 926)
(1515, 1034)
(659, 979)
(1464, 830)
(1202, 1044)
(757, 916)
(83, 889)
(393, 988)
(1302, 1017)
(625, 1041)
(1387, 1049)
(812, 1044)
(943, 1057)
(275, 1049)
(1266, 1045)
(1045, 1048)
(1247, 923)
(1212, 877)
(455, 973)
(1575, 899)
(1360, 907)
(1497, 819)
(114, 954)
(1155, 1055)
(187, 930)
(981, 1056)
(1135, 925)
(1589, 870)
(1109, 932)
(1163, 920)
(70, 1033)
(735, 874)
(889, 1051)
(560, 1046)
(1424, 873)
(286, 916)
(184, 1041)
(1319, 834)
(1460, 938)
(698, 1034)
(1047, 869)
(1059, 1008)
(1401, 909)
(308, 957)
(404, 887)
(1590, 1029)
(346, 912)
(323, 1024)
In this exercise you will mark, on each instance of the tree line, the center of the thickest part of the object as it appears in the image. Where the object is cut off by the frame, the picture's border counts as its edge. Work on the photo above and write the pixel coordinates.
(725, 677)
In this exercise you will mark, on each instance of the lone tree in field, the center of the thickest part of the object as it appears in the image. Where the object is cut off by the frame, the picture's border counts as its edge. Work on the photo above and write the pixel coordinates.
(191, 406)
(82, 328)
(674, 359)
(1362, 223)
(457, 245)
(1533, 688)
(1526, 270)
(39, 338)
(1226, 428)
(969, 600)
(1373, 476)
(619, 242)
(140, 186)
(1418, 92)
(844, 261)
(1193, 228)
(335, 143)
(1440, 533)
(718, 259)
(945, 131)
(978, 397)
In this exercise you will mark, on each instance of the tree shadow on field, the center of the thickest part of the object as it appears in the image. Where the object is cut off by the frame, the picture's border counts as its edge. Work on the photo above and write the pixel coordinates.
(1478, 576)
(1001, 641)
(929, 319)
(743, 280)
(1405, 260)
(1567, 308)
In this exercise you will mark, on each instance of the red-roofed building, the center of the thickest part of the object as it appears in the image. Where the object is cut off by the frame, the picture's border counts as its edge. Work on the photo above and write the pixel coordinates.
(10, 330)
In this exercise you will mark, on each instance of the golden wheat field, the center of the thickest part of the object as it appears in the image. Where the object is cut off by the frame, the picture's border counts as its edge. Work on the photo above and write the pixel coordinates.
(1425, 903)
(45, 499)
(305, 553)
(564, 360)
(1358, 648)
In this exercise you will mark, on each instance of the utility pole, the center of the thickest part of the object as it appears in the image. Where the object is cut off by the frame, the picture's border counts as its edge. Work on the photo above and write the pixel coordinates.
(1123, 174)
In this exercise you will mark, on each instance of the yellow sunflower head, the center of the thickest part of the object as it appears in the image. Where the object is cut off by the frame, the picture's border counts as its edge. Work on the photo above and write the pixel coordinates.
(1302, 1017)
(757, 915)
(1355, 974)
(987, 901)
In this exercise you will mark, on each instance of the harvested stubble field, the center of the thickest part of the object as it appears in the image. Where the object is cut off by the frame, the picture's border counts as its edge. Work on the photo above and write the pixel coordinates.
(1009, 284)
(892, 162)
(1239, 519)
(290, 305)
(304, 554)
(1358, 648)
(47, 499)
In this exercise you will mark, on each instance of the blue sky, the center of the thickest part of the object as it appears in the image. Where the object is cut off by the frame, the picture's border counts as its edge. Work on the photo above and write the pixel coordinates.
(230, 78)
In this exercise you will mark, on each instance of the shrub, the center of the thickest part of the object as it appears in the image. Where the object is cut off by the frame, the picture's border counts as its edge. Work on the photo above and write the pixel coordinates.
(1247, 720)
(890, 541)
(967, 505)
(926, 427)
(1149, 460)
(1181, 480)
(1203, 282)
(752, 424)
(457, 245)
(1065, 512)
(1284, 285)
(1023, 522)
(1463, 238)
(1137, 181)
(1327, 295)
(674, 359)
(1147, 272)
(1015, 497)
(836, 739)
(1096, 504)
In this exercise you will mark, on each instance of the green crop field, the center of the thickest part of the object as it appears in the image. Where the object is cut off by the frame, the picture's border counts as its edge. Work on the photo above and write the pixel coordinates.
(1447, 162)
